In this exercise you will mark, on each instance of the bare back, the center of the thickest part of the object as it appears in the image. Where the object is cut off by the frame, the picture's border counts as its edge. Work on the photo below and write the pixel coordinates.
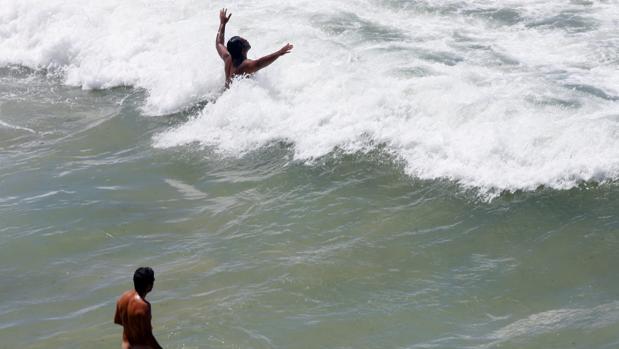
(134, 315)
(247, 67)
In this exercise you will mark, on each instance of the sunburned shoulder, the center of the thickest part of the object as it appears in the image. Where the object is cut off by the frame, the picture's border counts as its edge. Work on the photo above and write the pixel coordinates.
(133, 300)
(126, 296)
(137, 304)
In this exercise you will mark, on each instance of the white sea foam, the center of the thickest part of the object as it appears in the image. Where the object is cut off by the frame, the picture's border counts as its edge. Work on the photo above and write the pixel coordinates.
(498, 96)
(162, 46)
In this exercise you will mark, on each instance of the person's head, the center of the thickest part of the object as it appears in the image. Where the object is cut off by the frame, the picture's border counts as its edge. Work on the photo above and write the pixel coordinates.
(143, 280)
(238, 47)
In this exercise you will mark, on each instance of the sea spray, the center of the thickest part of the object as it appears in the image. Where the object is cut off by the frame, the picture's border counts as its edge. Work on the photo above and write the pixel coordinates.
(494, 98)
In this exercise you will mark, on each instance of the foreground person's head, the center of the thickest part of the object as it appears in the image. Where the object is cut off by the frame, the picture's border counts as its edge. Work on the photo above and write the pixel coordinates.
(143, 280)
(238, 47)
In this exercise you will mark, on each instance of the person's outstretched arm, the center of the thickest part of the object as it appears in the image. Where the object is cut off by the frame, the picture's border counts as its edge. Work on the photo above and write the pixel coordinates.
(255, 65)
(221, 33)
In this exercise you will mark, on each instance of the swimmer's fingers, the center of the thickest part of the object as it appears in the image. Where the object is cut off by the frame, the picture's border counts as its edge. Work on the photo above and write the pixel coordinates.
(223, 15)
(286, 49)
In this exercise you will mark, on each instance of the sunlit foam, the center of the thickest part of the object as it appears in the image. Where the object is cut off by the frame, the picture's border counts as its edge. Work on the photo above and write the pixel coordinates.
(510, 100)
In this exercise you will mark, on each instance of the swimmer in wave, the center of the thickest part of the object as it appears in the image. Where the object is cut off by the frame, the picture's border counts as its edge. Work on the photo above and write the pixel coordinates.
(234, 53)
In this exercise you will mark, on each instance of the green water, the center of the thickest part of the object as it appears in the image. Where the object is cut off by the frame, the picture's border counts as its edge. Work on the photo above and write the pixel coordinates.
(265, 252)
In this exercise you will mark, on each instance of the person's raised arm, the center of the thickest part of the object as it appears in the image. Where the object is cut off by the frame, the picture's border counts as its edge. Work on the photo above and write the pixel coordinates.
(221, 33)
(255, 65)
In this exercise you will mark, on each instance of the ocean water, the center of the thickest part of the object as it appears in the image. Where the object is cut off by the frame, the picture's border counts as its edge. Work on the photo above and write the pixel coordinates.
(415, 174)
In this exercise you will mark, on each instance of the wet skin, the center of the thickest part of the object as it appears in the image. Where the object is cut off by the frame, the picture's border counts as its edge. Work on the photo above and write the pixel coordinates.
(247, 66)
(134, 315)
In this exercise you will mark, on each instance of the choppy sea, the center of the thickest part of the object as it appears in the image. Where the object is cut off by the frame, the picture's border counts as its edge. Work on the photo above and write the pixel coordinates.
(415, 174)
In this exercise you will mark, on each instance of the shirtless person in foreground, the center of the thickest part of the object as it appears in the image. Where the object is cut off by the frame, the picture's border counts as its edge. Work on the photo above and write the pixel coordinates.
(133, 312)
(234, 53)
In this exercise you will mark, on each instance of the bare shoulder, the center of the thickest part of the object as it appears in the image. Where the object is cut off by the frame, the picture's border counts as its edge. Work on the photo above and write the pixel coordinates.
(247, 67)
(125, 297)
(227, 60)
(138, 306)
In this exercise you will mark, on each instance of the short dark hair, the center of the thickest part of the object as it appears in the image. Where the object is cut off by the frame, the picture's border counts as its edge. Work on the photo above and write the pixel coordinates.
(143, 278)
(235, 47)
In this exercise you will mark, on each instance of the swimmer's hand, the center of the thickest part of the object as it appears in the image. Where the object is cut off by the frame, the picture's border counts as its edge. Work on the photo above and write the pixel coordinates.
(285, 50)
(223, 16)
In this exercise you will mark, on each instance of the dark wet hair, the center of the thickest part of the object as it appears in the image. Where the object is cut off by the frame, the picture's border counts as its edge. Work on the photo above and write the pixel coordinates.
(235, 47)
(143, 278)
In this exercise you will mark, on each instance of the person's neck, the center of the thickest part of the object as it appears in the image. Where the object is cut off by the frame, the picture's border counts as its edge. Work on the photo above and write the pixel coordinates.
(142, 295)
